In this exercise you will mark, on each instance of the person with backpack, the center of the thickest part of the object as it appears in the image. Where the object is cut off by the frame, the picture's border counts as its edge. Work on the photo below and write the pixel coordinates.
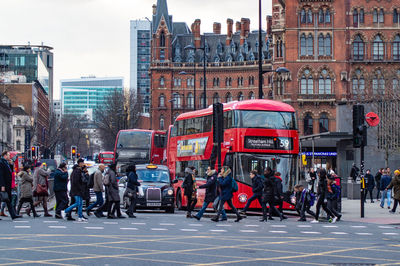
(210, 186)
(257, 188)
(60, 189)
(305, 199)
(189, 185)
(333, 193)
(386, 194)
(225, 182)
(132, 189)
(77, 191)
(96, 183)
(270, 196)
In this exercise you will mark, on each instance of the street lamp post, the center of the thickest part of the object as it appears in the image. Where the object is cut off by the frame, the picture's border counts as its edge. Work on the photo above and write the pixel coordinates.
(260, 71)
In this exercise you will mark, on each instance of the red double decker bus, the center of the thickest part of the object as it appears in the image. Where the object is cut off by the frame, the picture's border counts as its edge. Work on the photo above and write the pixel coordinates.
(257, 134)
(140, 146)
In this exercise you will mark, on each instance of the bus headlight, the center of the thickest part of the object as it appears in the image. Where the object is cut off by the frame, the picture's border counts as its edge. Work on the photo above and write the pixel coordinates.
(242, 198)
(170, 192)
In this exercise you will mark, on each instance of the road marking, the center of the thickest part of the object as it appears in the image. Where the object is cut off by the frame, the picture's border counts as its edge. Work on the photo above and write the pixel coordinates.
(248, 231)
(391, 234)
(278, 232)
(110, 222)
(163, 224)
(159, 229)
(138, 223)
(128, 228)
(80, 222)
(57, 226)
(330, 226)
(214, 230)
(189, 230)
(50, 222)
(358, 226)
(339, 233)
(224, 225)
(310, 232)
(386, 227)
(20, 221)
(304, 226)
(251, 225)
(278, 225)
(364, 234)
(22, 226)
(95, 228)
(195, 225)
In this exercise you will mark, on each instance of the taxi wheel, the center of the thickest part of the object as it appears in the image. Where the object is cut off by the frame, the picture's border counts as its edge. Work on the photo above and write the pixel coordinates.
(179, 200)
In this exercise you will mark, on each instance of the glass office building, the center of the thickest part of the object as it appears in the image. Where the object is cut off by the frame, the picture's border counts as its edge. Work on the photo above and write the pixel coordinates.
(140, 61)
(82, 96)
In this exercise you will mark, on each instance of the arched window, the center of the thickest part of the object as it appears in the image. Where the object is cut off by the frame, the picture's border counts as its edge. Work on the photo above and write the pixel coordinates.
(228, 97)
(240, 81)
(378, 16)
(361, 16)
(202, 101)
(162, 122)
(378, 48)
(162, 39)
(162, 82)
(216, 82)
(306, 45)
(216, 98)
(355, 18)
(358, 48)
(190, 101)
(358, 82)
(396, 48)
(378, 83)
(310, 44)
(324, 16)
(240, 96)
(327, 16)
(161, 100)
(176, 100)
(303, 16)
(328, 45)
(324, 83)
(396, 16)
(308, 124)
(324, 45)
(321, 16)
(252, 96)
(251, 80)
(323, 123)
(309, 16)
(307, 82)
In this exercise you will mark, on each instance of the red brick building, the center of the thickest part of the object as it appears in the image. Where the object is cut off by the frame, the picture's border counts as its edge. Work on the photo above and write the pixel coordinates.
(231, 65)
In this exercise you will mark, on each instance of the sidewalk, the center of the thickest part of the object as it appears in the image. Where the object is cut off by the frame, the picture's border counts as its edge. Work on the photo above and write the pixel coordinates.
(373, 213)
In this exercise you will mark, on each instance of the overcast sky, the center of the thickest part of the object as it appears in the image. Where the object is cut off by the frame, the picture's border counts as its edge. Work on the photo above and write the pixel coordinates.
(91, 37)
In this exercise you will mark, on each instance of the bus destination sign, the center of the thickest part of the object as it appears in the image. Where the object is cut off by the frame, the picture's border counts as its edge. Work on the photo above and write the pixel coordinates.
(192, 147)
(268, 143)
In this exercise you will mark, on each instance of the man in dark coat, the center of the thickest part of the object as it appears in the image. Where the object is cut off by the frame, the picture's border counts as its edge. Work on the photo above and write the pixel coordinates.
(189, 184)
(270, 195)
(257, 188)
(6, 181)
(77, 191)
(378, 177)
(60, 189)
(211, 191)
(354, 172)
(370, 185)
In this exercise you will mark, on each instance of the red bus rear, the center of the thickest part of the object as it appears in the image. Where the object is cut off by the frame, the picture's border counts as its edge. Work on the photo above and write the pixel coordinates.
(106, 157)
(257, 134)
(140, 146)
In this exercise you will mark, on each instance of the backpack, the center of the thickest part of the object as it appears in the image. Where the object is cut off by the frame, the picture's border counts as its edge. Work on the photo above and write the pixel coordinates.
(311, 198)
(91, 181)
(106, 179)
(235, 186)
(337, 191)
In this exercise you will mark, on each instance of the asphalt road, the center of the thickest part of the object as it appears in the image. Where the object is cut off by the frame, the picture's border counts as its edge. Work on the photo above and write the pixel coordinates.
(172, 239)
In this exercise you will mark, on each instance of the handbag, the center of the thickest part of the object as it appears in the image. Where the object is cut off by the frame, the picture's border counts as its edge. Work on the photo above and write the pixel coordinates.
(41, 190)
(4, 196)
(130, 193)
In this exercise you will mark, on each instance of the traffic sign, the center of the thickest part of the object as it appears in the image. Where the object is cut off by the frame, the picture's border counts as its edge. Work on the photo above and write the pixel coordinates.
(372, 119)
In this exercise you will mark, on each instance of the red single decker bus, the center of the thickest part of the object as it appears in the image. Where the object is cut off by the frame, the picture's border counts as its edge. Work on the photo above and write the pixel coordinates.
(140, 146)
(257, 134)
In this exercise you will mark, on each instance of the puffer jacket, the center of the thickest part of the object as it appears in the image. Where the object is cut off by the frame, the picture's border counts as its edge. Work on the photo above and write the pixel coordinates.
(225, 184)
(26, 184)
(210, 186)
(395, 184)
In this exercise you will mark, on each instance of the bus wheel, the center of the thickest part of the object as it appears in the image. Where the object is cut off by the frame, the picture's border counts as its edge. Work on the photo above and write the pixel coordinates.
(170, 210)
(179, 200)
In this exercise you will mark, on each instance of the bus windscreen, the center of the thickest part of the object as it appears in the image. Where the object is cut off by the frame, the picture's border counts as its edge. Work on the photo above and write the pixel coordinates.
(134, 140)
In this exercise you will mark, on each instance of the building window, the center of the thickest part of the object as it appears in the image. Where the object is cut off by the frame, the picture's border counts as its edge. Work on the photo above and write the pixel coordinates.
(325, 83)
(202, 100)
(378, 48)
(240, 96)
(240, 81)
(307, 82)
(216, 98)
(251, 81)
(216, 82)
(279, 48)
(396, 86)
(396, 16)
(358, 82)
(201, 82)
(324, 45)
(396, 48)
(358, 17)
(324, 16)
(378, 83)
(18, 122)
(228, 97)
(308, 124)
(358, 48)
(323, 123)
(306, 16)
(176, 100)
(161, 100)
(190, 82)
(162, 39)
(178, 82)
(162, 82)
(18, 133)
(309, 16)
(306, 45)
(18, 144)
(252, 96)
(378, 15)
(190, 101)
(162, 122)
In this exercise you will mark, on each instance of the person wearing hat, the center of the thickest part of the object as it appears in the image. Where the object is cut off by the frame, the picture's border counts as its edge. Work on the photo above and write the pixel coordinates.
(41, 186)
(395, 184)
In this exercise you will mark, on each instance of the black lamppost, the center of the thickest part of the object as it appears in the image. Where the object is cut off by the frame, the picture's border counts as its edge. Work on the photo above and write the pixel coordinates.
(193, 48)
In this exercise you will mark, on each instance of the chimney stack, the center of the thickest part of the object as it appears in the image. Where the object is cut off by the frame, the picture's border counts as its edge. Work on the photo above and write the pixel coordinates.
(154, 9)
(217, 28)
(238, 26)
(245, 29)
(229, 31)
(196, 33)
(269, 25)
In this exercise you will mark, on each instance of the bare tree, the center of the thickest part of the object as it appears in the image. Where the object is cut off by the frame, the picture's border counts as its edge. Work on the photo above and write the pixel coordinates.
(121, 110)
(71, 133)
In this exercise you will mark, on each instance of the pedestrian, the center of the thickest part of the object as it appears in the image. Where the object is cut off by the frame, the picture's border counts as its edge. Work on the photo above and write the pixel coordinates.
(26, 185)
(189, 185)
(77, 191)
(86, 189)
(386, 193)
(279, 189)
(60, 188)
(111, 182)
(354, 172)
(304, 201)
(6, 182)
(132, 189)
(211, 191)
(270, 196)
(41, 186)
(378, 177)
(225, 185)
(395, 184)
(322, 196)
(98, 189)
(370, 185)
(313, 177)
(333, 193)
(257, 188)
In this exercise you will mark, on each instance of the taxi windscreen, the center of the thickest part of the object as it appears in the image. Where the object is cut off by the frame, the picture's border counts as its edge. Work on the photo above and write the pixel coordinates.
(153, 175)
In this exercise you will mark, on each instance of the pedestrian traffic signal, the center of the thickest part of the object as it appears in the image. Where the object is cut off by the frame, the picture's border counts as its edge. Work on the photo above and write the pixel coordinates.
(359, 130)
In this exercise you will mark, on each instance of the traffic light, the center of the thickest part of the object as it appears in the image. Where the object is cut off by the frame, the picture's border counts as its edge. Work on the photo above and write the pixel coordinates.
(359, 130)
(218, 123)
(73, 151)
